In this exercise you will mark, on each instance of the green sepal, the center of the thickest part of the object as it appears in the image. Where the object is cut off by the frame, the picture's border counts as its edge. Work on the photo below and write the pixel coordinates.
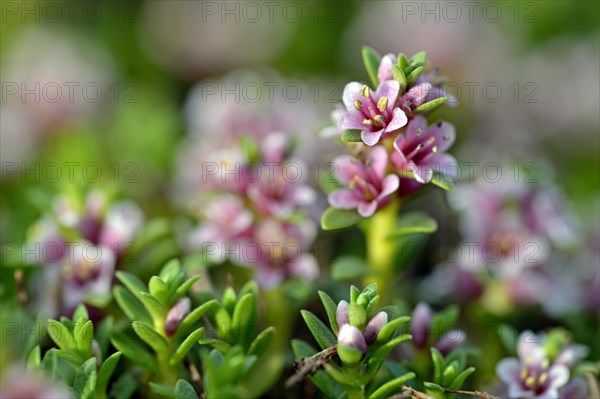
(351, 136)
(335, 219)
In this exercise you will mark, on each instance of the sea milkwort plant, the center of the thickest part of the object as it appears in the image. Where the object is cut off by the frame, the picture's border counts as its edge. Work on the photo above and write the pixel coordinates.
(394, 153)
(354, 346)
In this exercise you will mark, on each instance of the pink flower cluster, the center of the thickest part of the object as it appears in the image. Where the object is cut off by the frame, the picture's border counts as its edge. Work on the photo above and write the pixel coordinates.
(398, 151)
(81, 245)
(255, 213)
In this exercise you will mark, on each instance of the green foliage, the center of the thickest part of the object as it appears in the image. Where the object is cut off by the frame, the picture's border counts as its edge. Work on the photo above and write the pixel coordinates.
(449, 372)
(335, 219)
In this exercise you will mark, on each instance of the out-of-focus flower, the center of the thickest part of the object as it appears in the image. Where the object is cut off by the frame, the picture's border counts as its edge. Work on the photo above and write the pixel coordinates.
(421, 330)
(80, 246)
(19, 383)
(368, 185)
(421, 150)
(373, 113)
(542, 369)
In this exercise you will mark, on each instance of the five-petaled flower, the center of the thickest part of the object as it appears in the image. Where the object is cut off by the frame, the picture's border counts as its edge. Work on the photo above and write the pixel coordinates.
(373, 113)
(368, 185)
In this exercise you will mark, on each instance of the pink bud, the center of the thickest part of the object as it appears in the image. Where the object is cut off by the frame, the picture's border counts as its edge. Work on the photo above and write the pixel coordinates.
(351, 337)
(341, 314)
(450, 340)
(374, 326)
(176, 314)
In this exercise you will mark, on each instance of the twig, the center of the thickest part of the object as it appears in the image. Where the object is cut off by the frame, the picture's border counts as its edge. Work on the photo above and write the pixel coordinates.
(475, 394)
(310, 365)
(593, 384)
(414, 394)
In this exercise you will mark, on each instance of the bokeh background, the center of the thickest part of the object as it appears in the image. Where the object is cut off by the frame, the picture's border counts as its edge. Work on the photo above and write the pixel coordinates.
(126, 86)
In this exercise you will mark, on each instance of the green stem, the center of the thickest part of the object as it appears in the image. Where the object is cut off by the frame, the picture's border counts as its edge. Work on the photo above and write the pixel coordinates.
(356, 393)
(380, 250)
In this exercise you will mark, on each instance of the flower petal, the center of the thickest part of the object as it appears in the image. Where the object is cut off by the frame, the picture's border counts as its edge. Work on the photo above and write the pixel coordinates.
(366, 209)
(389, 89)
(351, 120)
(347, 167)
(558, 376)
(384, 72)
(390, 185)
(351, 94)
(305, 268)
(378, 161)
(344, 198)
(370, 138)
(399, 119)
(444, 134)
(508, 370)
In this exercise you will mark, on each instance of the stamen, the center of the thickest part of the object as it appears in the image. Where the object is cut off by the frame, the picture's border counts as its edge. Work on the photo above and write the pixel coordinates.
(545, 363)
(357, 105)
(419, 131)
(368, 122)
(530, 381)
(446, 137)
(382, 104)
(365, 91)
(434, 149)
(379, 118)
(543, 378)
(523, 373)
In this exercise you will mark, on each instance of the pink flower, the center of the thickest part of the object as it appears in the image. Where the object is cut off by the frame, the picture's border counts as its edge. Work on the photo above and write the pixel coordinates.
(352, 337)
(375, 113)
(368, 185)
(176, 315)
(421, 150)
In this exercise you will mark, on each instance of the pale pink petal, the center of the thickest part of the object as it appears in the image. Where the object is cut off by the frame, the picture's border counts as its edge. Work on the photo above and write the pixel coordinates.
(444, 134)
(389, 186)
(528, 343)
(351, 94)
(305, 267)
(390, 90)
(508, 370)
(444, 163)
(351, 120)
(347, 167)
(366, 209)
(558, 375)
(378, 161)
(384, 72)
(419, 122)
(399, 119)
(370, 138)
(418, 93)
(344, 198)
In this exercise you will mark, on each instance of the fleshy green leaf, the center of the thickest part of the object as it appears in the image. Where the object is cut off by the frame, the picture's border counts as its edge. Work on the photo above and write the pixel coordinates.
(351, 136)
(133, 350)
(434, 390)
(400, 77)
(341, 378)
(186, 346)
(261, 343)
(450, 372)
(388, 330)
(376, 359)
(460, 379)
(428, 106)
(244, 318)
(162, 390)
(50, 362)
(81, 311)
(159, 289)
(195, 315)
(152, 305)
(442, 181)
(438, 364)
(383, 391)
(335, 219)
(150, 336)
(413, 222)
(105, 372)
(444, 321)
(320, 332)
(348, 268)
(60, 335)
(414, 75)
(331, 308)
(170, 271)
(34, 359)
(183, 288)
(184, 390)
(85, 379)
(130, 305)
(133, 284)
(371, 60)
(84, 336)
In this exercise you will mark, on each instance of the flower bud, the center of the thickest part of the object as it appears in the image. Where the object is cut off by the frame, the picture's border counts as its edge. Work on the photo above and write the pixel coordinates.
(351, 344)
(421, 323)
(341, 314)
(176, 314)
(450, 341)
(357, 315)
(374, 326)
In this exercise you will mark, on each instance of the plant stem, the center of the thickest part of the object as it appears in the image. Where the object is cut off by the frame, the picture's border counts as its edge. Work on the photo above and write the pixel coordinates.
(380, 250)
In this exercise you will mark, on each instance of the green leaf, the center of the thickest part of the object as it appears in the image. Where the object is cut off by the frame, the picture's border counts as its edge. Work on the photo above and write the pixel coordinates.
(331, 309)
(244, 318)
(133, 350)
(130, 305)
(170, 271)
(444, 321)
(450, 372)
(34, 359)
(85, 379)
(124, 387)
(133, 284)
(434, 390)
(320, 332)
(195, 315)
(186, 346)
(150, 336)
(428, 106)
(84, 336)
(218, 344)
(261, 343)
(152, 305)
(50, 362)
(354, 293)
(419, 59)
(81, 311)
(414, 75)
(184, 390)
(388, 330)
(105, 372)
(351, 136)
(383, 391)
(442, 181)
(376, 359)
(438, 365)
(400, 77)
(371, 60)
(162, 390)
(348, 268)
(411, 223)
(335, 219)
(460, 379)
(159, 289)
(60, 335)
(183, 288)
(341, 378)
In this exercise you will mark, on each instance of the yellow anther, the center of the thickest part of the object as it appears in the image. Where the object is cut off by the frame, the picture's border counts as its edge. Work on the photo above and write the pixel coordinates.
(365, 91)
(434, 149)
(543, 378)
(382, 104)
(530, 381)
(357, 105)
(368, 122)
